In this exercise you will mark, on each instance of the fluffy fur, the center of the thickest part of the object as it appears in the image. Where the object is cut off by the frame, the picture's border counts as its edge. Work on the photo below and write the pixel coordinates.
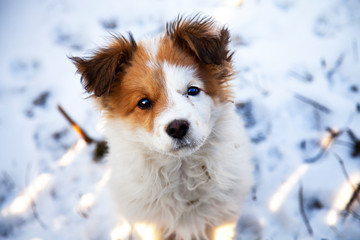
(190, 179)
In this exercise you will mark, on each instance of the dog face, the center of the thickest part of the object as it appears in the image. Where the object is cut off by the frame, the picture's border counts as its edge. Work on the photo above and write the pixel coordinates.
(184, 119)
(165, 89)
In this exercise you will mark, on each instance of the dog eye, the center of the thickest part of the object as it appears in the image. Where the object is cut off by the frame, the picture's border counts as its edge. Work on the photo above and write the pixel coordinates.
(144, 103)
(193, 91)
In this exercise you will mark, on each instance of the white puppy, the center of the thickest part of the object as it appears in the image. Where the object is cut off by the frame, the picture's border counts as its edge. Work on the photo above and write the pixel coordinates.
(178, 152)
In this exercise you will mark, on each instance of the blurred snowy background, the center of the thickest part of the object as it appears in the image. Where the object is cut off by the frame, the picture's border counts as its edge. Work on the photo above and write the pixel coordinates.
(298, 89)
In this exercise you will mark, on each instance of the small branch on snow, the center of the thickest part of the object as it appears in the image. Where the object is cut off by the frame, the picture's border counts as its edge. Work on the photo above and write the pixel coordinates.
(343, 168)
(355, 143)
(353, 198)
(305, 76)
(328, 139)
(325, 144)
(336, 67)
(36, 215)
(316, 157)
(356, 192)
(303, 213)
(76, 127)
(101, 146)
(313, 103)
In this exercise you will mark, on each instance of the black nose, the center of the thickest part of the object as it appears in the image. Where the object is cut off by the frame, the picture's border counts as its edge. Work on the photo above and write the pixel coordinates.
(177, 129)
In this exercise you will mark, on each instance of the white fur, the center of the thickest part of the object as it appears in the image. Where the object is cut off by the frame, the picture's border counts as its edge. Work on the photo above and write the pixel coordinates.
(152, 46)
(181, 191)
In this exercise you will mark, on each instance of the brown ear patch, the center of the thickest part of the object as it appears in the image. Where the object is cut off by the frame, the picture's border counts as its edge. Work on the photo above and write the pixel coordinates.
(201, 38)
(142, 80)
(106, 67)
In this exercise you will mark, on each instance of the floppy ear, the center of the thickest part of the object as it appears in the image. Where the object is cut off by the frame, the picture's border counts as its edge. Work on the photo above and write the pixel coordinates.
(105, 68)
(201, 38)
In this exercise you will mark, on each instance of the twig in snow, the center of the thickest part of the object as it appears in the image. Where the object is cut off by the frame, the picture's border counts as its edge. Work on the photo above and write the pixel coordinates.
(356, 189)
(313, 103)
(343, 168)
(302, 76)
(101, 146)
(328, 139)
(336, 67)
(325, 144)
(354, 197)
(355, 144)
(316, 157)
(36, 215)
(76, 127)
(302, 211)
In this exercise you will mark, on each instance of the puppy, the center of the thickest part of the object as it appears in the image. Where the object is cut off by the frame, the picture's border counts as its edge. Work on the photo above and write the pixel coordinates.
(178, 152)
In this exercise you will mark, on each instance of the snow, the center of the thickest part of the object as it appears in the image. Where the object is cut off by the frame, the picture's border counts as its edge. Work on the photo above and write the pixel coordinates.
(287, 52)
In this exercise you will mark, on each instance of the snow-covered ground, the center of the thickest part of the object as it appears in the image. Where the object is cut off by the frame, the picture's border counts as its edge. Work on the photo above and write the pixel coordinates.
(298, 64)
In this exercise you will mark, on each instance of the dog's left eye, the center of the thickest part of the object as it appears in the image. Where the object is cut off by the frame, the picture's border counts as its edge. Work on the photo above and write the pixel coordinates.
(144, 103)
(193, 91)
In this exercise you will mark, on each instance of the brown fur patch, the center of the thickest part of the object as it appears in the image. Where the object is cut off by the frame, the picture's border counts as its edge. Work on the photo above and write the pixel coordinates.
(217, 82)
(172, 54)
(103, 70)
(208, 47)
(201, 38)
(140, 81)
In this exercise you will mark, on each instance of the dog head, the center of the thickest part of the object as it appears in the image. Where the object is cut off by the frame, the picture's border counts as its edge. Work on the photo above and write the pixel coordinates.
(165, 89)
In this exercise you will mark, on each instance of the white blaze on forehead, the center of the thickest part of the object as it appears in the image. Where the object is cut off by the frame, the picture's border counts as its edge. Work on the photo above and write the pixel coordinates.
(179, 78)
(151, 46)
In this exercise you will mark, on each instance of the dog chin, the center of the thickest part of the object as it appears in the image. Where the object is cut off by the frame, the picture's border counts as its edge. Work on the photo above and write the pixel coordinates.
(185, 148)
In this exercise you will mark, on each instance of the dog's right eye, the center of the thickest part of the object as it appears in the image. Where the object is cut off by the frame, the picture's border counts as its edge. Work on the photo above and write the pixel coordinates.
(144, 103)
(193, 91)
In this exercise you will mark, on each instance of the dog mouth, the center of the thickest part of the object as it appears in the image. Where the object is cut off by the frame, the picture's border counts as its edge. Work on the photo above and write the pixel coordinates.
(186, 145)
